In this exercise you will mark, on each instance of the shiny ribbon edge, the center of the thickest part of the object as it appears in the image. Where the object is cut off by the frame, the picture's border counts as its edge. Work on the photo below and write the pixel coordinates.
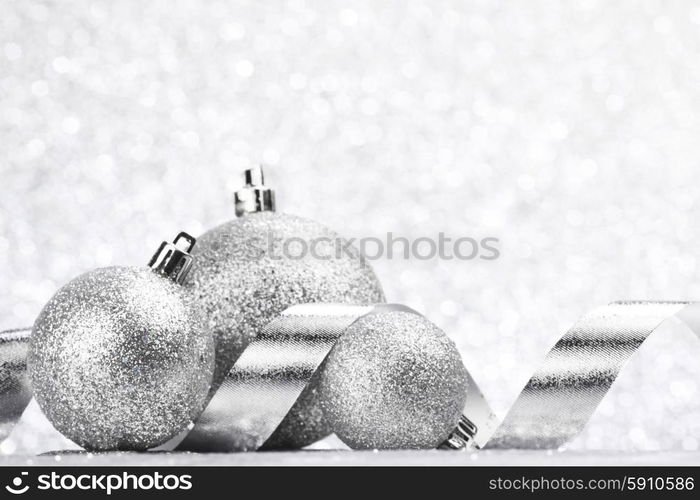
(15, 389)
(551, 410)
(545, 415)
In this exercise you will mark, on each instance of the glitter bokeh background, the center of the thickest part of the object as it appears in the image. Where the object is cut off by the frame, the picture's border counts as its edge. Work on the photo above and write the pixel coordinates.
(566, 129)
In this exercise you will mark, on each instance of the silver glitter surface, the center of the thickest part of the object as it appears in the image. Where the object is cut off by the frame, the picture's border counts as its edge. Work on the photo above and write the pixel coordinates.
(393, 381)
(567, 129)
(249, 270)
(119, 359)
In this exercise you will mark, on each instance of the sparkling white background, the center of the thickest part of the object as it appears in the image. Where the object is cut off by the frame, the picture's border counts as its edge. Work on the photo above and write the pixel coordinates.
(569, 130)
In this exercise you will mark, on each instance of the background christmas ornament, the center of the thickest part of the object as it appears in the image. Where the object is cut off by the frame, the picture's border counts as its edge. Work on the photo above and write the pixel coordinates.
(252, 268)
(120, 358)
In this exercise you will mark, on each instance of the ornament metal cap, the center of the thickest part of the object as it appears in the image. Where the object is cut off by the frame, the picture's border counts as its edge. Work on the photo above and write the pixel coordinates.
(254, 196)
(174, 260)
(462, 437)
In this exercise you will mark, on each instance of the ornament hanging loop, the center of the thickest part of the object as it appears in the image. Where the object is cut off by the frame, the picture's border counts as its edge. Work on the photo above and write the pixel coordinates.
(462, 437)
(254, 196)
(174, 260)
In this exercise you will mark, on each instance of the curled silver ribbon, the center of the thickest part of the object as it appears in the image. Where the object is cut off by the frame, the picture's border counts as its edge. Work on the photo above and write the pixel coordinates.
(15, 392)
(272, 372)
(561, 396)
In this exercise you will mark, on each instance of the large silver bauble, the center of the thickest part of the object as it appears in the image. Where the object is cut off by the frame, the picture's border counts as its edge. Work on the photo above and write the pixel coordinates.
(249, 270)
(120, 359)
(393, 381)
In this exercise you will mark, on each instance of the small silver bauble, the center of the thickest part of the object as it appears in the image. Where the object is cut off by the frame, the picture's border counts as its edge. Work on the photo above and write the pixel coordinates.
(120, 358)
(252, 268)
(393, 381)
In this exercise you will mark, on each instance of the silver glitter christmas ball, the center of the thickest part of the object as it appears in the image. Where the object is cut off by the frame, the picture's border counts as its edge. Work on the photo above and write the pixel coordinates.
(393, 381)
(244, 277)
(120, 359)
(252, 268)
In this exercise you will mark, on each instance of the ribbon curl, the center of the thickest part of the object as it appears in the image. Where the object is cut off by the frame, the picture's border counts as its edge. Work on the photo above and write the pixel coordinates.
(561, 396)
(15, 392)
